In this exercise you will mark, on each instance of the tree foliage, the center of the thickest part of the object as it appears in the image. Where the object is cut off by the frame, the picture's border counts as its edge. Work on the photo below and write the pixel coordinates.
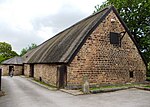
(25, 50)
(6, 51)
(136, 14)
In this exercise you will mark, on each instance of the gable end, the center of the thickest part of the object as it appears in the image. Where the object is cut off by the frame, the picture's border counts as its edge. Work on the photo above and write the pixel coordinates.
(97, 24)
(132, 38)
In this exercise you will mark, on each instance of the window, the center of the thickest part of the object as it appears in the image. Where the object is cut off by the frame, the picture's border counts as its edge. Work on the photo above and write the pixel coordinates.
(114, 38)
(131, 74)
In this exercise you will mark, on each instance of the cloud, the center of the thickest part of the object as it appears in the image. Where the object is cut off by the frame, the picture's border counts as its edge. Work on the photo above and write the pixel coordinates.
(18, 38)
(23, 22)
(66, 16)
(20, 35)
(3, 1)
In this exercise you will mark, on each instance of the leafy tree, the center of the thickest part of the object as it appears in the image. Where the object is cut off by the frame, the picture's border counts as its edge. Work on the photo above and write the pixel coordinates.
(6, 51)
(2, 58)
(100, 7)
(25, 50)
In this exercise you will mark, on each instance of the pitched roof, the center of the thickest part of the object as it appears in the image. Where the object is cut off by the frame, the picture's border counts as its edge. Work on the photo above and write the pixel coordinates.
(64, 46)
(28, 55)
(15, 61)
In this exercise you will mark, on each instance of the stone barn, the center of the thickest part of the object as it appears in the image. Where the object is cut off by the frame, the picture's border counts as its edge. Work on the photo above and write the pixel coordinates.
(15, 63)
(99, 47)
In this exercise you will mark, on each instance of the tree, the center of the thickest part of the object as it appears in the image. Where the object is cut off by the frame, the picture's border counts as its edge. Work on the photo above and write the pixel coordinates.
(6, 51)
(25, 50)
(136, 14)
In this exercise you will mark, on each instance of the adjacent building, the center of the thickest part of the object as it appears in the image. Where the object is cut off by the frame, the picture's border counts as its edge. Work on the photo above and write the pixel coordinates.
(15, 63)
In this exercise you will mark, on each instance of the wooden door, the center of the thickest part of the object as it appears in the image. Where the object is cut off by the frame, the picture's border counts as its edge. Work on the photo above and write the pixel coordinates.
(62, 76)
(10, 69)
(31, 70)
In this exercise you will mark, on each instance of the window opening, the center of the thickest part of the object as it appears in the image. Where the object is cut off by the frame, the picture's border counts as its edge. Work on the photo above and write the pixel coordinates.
(131, 74)
(114, 38)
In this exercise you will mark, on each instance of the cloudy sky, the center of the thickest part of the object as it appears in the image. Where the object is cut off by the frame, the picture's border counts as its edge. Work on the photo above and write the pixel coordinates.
(23, 22)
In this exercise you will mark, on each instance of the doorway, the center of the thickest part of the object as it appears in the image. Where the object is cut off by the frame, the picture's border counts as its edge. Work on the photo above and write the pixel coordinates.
(10, 69)
(23, 70)
(62, 76)
(31, 70)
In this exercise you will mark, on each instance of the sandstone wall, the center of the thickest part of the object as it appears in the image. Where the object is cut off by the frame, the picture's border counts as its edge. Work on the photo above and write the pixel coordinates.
(46, 72)
(104, 63)
(5, 70)
(17, 69)
(27, 70)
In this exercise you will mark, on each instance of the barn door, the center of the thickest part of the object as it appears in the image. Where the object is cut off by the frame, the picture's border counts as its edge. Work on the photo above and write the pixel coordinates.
(31, 70)
(23, 70)
(10, 69)
(62, 76)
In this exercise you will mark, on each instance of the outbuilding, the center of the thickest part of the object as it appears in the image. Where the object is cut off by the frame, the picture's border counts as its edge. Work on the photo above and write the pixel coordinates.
(15, 63)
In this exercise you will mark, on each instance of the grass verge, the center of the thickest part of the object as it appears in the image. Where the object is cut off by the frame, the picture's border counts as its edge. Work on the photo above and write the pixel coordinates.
(113, 87)
(147, 86)
(51, 86)
(147, 78)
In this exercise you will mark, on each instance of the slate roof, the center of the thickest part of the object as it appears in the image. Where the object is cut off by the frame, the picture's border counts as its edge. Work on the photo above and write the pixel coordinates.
(64, 46)
(15, 61)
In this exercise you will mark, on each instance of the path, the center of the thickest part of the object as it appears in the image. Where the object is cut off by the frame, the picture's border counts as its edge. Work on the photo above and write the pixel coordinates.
(22, 93)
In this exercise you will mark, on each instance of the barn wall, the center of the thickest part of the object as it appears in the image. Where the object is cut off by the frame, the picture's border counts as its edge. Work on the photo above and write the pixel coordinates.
(104, 63)
(5, 70)
(47, 73)
(27, 70)
(17, 69)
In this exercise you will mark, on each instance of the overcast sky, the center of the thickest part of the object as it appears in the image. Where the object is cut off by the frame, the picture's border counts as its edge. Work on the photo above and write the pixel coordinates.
(23, 22)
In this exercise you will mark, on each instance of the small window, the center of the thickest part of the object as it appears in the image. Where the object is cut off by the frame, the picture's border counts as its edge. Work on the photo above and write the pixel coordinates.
(131, 74)
(114, 38)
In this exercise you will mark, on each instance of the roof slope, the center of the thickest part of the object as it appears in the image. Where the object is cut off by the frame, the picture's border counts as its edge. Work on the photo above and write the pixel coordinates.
(28, 55)
(15, 61)
(61, 47)
(64, 46)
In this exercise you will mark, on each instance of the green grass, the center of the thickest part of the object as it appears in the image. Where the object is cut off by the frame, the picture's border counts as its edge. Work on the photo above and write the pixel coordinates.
(112, 87)
(147, 78)
(148, 86)
(45, 83)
